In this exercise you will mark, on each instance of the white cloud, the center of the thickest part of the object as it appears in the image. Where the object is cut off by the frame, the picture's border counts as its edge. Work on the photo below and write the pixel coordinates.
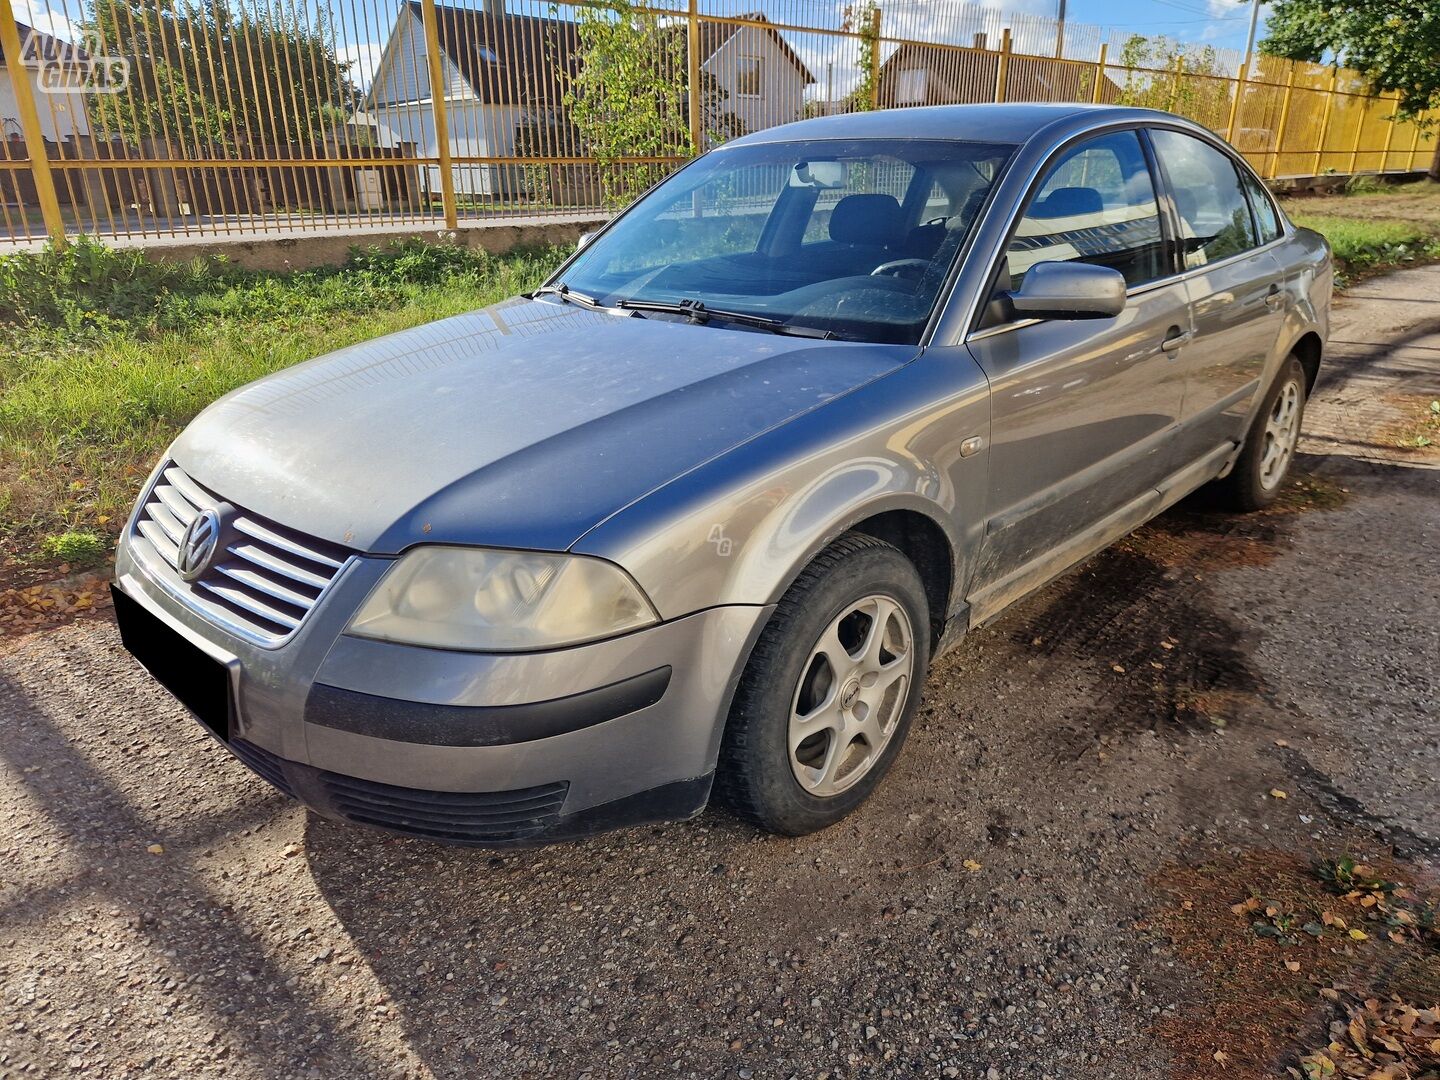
(47, 19)
(363, 58)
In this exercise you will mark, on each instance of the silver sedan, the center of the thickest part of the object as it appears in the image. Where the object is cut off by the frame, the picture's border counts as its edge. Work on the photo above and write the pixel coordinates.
(695, 517)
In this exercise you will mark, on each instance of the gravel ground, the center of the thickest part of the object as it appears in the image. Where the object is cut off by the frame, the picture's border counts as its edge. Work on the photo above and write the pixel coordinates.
(164, 913)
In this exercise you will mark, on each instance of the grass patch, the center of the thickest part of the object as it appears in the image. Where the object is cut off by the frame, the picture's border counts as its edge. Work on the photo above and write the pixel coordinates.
(105, 356)
(1367, 244)
(77, 547)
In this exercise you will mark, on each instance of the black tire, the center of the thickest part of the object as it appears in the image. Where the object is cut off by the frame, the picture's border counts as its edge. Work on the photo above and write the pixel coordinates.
(755, 779)
(1245, 488)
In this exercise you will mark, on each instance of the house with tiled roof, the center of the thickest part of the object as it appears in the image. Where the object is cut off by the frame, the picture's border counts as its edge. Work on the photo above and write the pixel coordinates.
(504, 73)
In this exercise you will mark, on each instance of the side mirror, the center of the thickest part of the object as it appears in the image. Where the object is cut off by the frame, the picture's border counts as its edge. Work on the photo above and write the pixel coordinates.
(585, 238)
(1069, 290)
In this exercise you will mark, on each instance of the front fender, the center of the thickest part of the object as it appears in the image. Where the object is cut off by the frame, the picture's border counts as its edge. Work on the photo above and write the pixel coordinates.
(740, 528)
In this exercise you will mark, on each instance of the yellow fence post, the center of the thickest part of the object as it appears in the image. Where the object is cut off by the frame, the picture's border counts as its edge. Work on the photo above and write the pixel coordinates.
(875, 59)
(1235, 105)
(1002, 68)
(692, 59)
(1359, 134)
(10, 45)
(1325, 119)
(438, 106)
(1274, 169)
(1389, 135)
(1097, 96)
(1179, 77)
(1414, 145)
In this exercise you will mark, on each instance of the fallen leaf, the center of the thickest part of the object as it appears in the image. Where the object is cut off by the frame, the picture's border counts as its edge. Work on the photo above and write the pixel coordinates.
(1166, 645)
(1282, 742)
(1117, 667)
(1221, 1057)
(1276, 793)
(971, 865)
(156, 849)
(1359, 935)
(1292, 965)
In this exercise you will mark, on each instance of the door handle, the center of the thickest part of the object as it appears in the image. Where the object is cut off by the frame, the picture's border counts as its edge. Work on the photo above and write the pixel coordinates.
(1177, 338)
(1274, 298)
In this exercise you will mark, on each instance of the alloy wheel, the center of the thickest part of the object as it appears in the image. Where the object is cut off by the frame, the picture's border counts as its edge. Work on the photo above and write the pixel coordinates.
(1282, 432)
(851, 695)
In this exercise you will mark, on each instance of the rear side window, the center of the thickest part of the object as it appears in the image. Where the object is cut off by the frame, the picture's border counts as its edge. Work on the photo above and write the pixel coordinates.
(1097, 205)
(1214, 213)
(1266, 218)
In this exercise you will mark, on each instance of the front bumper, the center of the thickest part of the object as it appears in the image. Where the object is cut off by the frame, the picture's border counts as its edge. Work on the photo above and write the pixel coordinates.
(492, 749)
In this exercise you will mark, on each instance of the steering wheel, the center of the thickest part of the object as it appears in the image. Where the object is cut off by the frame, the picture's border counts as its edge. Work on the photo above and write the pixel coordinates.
(901, 268)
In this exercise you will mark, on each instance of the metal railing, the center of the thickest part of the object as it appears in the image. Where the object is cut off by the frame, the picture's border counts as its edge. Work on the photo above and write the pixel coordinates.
(143, 118)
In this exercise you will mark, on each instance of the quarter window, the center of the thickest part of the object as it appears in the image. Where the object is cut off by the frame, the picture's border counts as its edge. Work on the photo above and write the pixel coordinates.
(1214, 213)
(1095, 205)
(1265, 216)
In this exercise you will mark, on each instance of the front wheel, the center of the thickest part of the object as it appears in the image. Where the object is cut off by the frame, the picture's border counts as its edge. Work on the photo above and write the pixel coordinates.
(829, 691)
(1269, 451)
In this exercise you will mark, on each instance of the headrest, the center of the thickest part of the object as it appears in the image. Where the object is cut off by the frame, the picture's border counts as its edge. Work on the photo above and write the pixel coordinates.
(871, 220)
(1069, 202)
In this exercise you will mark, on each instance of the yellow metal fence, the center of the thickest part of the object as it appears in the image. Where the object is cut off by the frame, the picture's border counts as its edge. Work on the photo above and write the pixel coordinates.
(152, 118)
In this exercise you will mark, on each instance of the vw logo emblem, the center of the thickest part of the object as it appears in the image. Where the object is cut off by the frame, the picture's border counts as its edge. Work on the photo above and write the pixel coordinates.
(198, 544)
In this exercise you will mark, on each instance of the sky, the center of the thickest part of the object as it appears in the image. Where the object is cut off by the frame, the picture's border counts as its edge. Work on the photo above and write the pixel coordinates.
(1220, 23)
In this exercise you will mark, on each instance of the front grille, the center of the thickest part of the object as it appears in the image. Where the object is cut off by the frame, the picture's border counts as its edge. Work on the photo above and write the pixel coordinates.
(475, 818)
(268, 578)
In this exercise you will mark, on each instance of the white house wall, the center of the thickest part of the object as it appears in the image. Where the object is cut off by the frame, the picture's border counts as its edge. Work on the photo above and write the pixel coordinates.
(62, 116)
(782, 86)
(475, 131)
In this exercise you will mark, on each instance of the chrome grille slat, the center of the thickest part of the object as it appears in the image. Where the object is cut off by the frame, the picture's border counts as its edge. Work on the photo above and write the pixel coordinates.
(161, 541)
(274, 539)
(254, 553)
(260, 583)
(270, 577)
(188, 489)
(176, 503)
(161, 515)
(242, 598)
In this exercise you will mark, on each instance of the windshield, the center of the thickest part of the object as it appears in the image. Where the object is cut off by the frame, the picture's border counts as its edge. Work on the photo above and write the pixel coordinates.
(851, 238)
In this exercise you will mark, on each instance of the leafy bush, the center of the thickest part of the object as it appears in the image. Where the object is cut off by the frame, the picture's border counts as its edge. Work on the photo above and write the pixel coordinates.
(79, 547)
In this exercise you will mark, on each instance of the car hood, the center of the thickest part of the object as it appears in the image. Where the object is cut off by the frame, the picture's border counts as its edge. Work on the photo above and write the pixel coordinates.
(520, 425)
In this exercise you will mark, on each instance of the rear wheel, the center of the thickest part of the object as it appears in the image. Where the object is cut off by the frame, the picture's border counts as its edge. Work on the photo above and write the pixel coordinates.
(828, 693)
(1264, 463)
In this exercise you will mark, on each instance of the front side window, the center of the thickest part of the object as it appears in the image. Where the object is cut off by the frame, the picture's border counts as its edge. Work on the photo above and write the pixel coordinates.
(1266, 217)
(1097, 205)
(1214, 214)
(854, 238)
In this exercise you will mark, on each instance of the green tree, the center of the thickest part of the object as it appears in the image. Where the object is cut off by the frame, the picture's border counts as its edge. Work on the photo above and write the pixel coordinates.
(208, 73)
(1164, 74)
(1395, 44)
(861, 18)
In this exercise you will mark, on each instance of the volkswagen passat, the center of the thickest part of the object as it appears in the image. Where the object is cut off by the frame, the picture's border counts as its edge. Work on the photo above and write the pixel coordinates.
(695, 517)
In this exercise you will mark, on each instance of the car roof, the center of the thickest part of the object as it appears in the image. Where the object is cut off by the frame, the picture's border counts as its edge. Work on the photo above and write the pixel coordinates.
(1007, 123)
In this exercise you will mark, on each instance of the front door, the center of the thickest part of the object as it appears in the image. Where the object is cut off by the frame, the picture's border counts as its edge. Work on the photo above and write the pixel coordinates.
(1082, 410)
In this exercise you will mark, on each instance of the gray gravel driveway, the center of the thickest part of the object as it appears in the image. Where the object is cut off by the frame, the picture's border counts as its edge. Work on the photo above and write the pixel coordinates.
(163, 913)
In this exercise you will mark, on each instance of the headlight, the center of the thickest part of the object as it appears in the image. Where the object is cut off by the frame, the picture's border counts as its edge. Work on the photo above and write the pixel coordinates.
(500, 601)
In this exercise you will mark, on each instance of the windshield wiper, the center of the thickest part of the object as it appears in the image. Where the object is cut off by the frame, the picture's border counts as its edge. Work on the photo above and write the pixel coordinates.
(697, 312)
(569, 295)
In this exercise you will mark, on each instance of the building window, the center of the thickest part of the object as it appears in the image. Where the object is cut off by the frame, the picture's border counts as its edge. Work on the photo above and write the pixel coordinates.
(747, 76)
(910, 87)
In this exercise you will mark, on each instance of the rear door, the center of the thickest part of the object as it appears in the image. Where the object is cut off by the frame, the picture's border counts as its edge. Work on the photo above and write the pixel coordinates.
(1234, 283)
(1082, 410)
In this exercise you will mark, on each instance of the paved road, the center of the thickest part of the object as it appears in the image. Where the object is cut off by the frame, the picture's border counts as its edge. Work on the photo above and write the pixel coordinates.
(1119, 724)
